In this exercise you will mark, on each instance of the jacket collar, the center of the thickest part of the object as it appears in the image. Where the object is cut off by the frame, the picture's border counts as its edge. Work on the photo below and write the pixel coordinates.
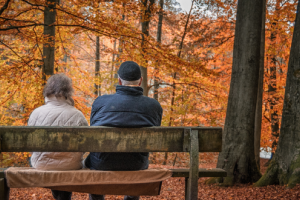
(127, 90)
(53, 100)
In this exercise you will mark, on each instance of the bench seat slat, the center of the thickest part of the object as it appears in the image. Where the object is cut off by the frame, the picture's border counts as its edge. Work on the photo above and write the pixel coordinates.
(203, 172)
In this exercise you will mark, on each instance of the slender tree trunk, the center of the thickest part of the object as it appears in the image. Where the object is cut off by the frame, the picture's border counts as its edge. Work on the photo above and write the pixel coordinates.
(97, 84)
(49, 38)
(113, 65)
(120, 46)
(258, 111)
(145, 33)
(272, 87)
(175, 73)
(159, 33)
(156, 79)
(284, 168)
(237, 156)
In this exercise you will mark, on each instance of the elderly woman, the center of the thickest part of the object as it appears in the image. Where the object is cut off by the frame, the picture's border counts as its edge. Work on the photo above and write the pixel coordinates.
(58, 110)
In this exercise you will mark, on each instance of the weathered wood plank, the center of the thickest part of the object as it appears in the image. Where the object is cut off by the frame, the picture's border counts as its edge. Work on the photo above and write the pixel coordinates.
(203, 172)
(105, 139)
(192, 189)
(186, 140)
(210, 139)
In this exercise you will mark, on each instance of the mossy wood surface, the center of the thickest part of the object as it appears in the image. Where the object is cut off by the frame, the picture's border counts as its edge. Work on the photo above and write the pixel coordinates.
(104, 139)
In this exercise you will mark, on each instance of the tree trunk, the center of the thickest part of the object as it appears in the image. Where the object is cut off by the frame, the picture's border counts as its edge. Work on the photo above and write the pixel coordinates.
(175, 74)
(258, 111)
(237, 156)
(178, 55)
(145, 33)
(159, 33)
(120, 46)
(97, 85)
(285, 165)
(49, 38)
(272, 87)
(113, 66)
(156, 79)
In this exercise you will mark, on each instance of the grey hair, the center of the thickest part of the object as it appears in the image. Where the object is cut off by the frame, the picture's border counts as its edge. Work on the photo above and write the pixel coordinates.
(59, 85)
(130, 82)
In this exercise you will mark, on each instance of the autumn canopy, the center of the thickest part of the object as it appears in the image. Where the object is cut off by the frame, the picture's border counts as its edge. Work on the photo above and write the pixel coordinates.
(220, 59)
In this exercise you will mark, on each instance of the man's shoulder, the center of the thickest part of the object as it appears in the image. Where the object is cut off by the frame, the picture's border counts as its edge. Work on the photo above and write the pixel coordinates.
(104, 97)
(151, 101)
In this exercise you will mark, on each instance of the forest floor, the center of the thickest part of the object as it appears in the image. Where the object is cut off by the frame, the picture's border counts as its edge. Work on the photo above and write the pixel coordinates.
(173, 189)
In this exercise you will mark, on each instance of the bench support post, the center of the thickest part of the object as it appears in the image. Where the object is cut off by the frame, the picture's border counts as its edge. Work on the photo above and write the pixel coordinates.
(4, 190)
(192, 183)
(186, 180)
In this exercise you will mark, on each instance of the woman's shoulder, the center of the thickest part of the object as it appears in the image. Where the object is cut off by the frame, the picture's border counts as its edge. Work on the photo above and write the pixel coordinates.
(38, 110)
(72, 110)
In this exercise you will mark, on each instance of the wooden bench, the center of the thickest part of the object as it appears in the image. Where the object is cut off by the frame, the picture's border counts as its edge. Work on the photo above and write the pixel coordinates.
(105, 139)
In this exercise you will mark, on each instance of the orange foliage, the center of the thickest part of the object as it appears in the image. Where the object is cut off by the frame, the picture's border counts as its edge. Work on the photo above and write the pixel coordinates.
(204, 69)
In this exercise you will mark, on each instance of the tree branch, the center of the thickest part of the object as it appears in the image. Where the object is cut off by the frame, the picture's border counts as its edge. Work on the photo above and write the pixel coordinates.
(4, 7)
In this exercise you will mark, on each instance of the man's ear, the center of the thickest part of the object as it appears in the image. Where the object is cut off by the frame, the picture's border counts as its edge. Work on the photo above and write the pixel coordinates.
(140, 83)
(120, 82)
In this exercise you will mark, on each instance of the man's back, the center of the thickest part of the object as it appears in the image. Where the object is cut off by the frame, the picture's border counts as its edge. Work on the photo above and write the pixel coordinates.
(127, 108)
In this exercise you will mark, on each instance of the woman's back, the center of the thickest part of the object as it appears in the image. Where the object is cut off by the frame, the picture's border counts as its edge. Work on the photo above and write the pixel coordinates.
(57, 111)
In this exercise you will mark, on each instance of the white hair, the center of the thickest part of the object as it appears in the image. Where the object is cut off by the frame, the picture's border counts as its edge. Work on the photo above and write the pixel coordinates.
(130, 82)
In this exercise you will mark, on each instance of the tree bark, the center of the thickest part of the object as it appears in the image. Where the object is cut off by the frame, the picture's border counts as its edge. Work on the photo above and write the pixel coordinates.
(272, 87)
(258, 111)
(113, 65)
(285, 165)
(97, 85)
(145, 33)
(158, 38)
(237, 156)
(49, 38)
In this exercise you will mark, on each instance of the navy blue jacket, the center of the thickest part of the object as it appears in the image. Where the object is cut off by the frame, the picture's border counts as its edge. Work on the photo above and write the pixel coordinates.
(126, 108)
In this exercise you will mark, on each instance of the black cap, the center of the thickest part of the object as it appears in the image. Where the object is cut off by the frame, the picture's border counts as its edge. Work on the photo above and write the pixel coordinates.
(130, 71)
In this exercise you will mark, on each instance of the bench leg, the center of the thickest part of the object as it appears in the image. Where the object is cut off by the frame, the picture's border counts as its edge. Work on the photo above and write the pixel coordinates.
(4, 190)
(186, 180)
(192, 182)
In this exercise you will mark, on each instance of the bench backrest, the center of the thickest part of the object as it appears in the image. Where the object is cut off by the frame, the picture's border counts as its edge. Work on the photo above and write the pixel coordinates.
(106, 139)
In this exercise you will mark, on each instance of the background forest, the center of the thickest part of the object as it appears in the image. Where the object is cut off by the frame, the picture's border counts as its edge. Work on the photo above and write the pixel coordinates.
(186, 57)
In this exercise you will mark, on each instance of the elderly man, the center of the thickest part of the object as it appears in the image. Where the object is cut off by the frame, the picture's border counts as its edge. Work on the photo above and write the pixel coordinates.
(126, 108)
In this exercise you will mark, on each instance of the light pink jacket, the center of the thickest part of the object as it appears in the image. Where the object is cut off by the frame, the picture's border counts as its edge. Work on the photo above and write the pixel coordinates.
(57, 112)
